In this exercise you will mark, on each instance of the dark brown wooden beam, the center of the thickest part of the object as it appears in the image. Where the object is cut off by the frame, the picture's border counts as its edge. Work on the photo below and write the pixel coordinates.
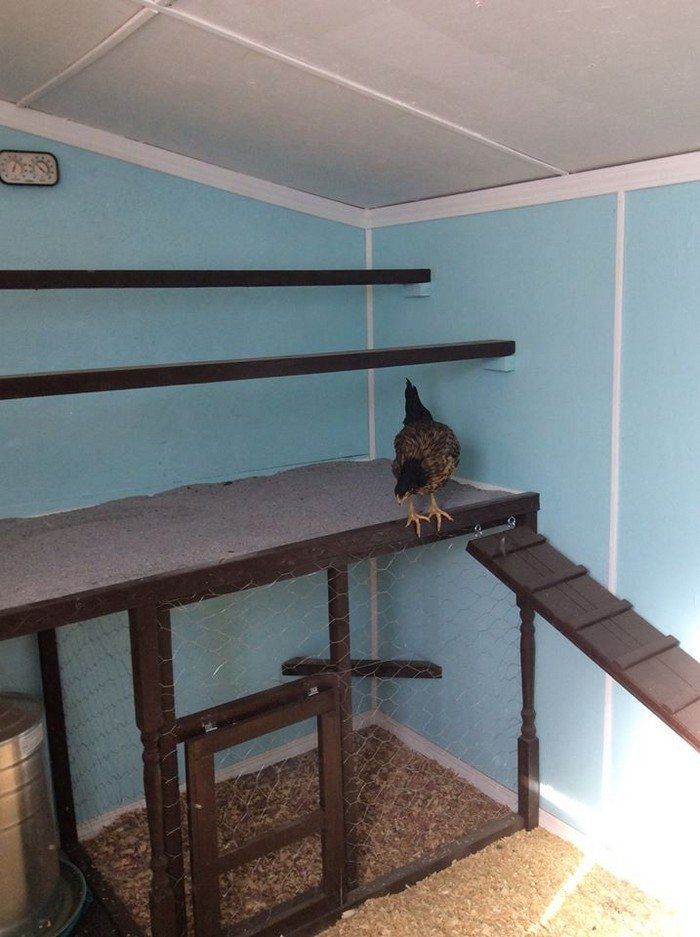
(188, 279)
(167, 745)
(409, 874)
(98, 380)
(59, 756)
(257, 569)
(340, 658)
(187, 727)
(271, 841)
(152, 721)
(360, 667)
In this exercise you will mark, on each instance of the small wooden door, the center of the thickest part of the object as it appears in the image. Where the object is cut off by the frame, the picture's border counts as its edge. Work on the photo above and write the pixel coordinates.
(318, 699)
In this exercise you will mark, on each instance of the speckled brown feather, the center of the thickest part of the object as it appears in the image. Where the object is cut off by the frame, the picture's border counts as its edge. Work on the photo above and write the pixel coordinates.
(434, 445)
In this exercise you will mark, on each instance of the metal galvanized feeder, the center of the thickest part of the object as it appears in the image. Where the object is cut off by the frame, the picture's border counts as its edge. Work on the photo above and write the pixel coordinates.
(40, 894)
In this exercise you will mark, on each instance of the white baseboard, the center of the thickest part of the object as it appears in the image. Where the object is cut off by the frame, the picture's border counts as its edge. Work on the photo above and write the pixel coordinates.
(306, 743)
(419, 743)
(588, 844)
(412, 739)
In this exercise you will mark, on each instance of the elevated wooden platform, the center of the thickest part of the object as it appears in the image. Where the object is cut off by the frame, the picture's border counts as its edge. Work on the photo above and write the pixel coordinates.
(204, 540)
(644, 661)
(147, 554)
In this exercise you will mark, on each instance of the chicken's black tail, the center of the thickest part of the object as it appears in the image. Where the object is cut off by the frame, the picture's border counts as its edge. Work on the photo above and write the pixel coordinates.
(415, 411)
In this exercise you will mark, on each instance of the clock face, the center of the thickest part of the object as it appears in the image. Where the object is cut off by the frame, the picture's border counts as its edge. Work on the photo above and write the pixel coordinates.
(21, 167)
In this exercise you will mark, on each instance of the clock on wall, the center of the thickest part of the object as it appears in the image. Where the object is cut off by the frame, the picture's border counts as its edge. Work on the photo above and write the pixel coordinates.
(25, 167)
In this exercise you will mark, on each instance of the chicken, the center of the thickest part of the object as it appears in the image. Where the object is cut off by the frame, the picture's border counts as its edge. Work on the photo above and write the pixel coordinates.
(427, 453)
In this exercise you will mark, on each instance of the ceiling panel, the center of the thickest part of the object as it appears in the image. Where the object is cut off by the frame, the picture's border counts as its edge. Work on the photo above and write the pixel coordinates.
(577, 84)
(195, 93)
(39, 38)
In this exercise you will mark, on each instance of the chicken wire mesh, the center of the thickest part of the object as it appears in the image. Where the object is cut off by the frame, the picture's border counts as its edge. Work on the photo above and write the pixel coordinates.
(427, 750)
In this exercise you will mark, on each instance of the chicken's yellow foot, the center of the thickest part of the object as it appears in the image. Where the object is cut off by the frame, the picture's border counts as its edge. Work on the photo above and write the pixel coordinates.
(434, 510)
(414, 518)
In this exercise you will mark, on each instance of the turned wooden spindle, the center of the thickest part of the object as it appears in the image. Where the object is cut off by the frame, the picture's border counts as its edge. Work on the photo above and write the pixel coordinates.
(528, 743)
(148, 705)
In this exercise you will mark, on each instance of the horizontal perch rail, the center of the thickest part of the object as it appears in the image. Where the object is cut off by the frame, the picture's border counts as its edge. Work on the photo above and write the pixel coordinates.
(193, 279)
(56, 383)
(386, 669)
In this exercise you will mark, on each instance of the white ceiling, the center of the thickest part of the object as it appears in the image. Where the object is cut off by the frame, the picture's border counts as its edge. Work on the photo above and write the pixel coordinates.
(370, 102)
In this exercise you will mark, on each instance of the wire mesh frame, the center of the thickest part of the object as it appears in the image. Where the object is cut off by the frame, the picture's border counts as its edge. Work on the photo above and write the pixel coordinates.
(154, 698)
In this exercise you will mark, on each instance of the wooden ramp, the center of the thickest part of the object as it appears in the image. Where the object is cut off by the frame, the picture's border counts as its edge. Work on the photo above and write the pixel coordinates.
(649, 664)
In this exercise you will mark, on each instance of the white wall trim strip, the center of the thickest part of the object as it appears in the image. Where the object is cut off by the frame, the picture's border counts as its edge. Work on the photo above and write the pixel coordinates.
(342, 81)
(616, 393)
(174, 164)
(670, 170)
(614, 505)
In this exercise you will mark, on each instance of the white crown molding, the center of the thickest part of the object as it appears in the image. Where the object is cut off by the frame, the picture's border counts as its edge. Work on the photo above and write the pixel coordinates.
(669, 170)
(175, 164)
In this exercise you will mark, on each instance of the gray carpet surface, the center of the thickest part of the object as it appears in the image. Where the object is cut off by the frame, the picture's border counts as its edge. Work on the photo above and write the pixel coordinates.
(62, 554)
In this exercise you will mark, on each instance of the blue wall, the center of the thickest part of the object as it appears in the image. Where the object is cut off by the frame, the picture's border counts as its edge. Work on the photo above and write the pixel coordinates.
(61, 452)
(543, 276)
(655, 774)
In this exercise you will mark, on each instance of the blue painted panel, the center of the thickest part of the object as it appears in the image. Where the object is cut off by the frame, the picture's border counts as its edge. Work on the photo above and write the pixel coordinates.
(543, 276)
(439, 604)
(67, 451)
(659, 551)
(62, 452)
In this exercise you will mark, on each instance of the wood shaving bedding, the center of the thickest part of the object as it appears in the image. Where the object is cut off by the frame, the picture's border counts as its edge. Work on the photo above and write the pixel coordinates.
(527, 885)
(409, 806)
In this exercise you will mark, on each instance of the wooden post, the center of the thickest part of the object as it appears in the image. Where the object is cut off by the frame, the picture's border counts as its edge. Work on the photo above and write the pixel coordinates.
(148, 705)
(340, 658)
(57, 738)
(528, 743)
(204, 845)
(331, 790)
(170, 778)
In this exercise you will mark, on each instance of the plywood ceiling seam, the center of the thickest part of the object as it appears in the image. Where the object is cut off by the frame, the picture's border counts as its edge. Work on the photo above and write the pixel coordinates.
(199, 22)
(153, 8)
(137, 21)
